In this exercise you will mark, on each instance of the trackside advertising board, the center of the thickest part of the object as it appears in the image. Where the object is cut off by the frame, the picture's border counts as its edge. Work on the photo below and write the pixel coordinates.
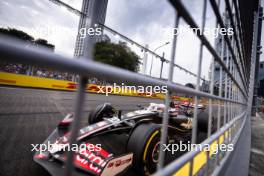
(20, 80)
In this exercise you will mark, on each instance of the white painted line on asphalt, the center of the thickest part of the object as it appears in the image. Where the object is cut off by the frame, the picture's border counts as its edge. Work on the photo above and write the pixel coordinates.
(1, 87)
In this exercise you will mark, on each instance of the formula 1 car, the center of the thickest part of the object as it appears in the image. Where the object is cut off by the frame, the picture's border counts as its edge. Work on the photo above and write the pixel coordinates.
(112, 142)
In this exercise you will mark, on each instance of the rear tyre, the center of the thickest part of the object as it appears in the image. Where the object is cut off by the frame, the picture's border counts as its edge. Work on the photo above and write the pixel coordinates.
(203, 120)
(144, 143)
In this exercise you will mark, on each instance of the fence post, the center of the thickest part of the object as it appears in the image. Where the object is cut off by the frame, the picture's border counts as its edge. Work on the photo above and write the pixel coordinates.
(258, 52)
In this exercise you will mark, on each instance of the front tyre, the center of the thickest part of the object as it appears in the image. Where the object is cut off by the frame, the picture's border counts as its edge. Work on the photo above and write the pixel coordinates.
(144, 142)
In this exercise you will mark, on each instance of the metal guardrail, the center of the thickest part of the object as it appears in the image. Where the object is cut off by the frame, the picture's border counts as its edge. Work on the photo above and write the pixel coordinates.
(237, 84)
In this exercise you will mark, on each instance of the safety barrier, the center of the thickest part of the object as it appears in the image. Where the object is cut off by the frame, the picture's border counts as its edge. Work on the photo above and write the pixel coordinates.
(212, 157)
(236, 84)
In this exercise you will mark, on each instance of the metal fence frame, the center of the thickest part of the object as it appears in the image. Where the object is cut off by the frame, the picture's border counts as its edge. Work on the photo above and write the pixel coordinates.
(238, 83)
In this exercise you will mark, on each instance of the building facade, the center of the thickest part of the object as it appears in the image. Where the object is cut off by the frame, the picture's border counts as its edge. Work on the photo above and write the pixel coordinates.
(223, 52)
(261, 79)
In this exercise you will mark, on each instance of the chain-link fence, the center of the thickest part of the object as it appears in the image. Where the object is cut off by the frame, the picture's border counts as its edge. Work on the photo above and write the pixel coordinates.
(229, 98)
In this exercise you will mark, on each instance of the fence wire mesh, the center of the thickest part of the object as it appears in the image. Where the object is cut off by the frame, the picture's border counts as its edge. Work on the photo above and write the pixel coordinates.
(229, 97)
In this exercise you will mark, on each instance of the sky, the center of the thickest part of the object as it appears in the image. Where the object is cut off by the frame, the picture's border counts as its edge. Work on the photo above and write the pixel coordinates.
(147, 22)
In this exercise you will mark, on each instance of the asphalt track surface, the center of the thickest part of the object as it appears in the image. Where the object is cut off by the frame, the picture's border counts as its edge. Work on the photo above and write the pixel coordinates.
(28, 116)
(257, 146)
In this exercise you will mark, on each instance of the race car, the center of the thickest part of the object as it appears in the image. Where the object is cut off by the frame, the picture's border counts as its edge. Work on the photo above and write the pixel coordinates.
(112, 142)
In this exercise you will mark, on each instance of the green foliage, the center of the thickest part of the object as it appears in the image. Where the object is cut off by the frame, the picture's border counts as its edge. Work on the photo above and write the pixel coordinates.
(42, 42)
(26, 37)
(118, 55)
(17, 34)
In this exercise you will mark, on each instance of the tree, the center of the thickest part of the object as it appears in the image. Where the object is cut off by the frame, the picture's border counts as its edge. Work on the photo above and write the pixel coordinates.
(26, 37)
(118, 55)
(17, 34)
(44, 43)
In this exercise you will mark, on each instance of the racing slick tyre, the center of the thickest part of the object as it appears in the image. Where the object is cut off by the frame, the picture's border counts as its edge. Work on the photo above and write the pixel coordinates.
(105, 110)
(144, 142)
(203, 119)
